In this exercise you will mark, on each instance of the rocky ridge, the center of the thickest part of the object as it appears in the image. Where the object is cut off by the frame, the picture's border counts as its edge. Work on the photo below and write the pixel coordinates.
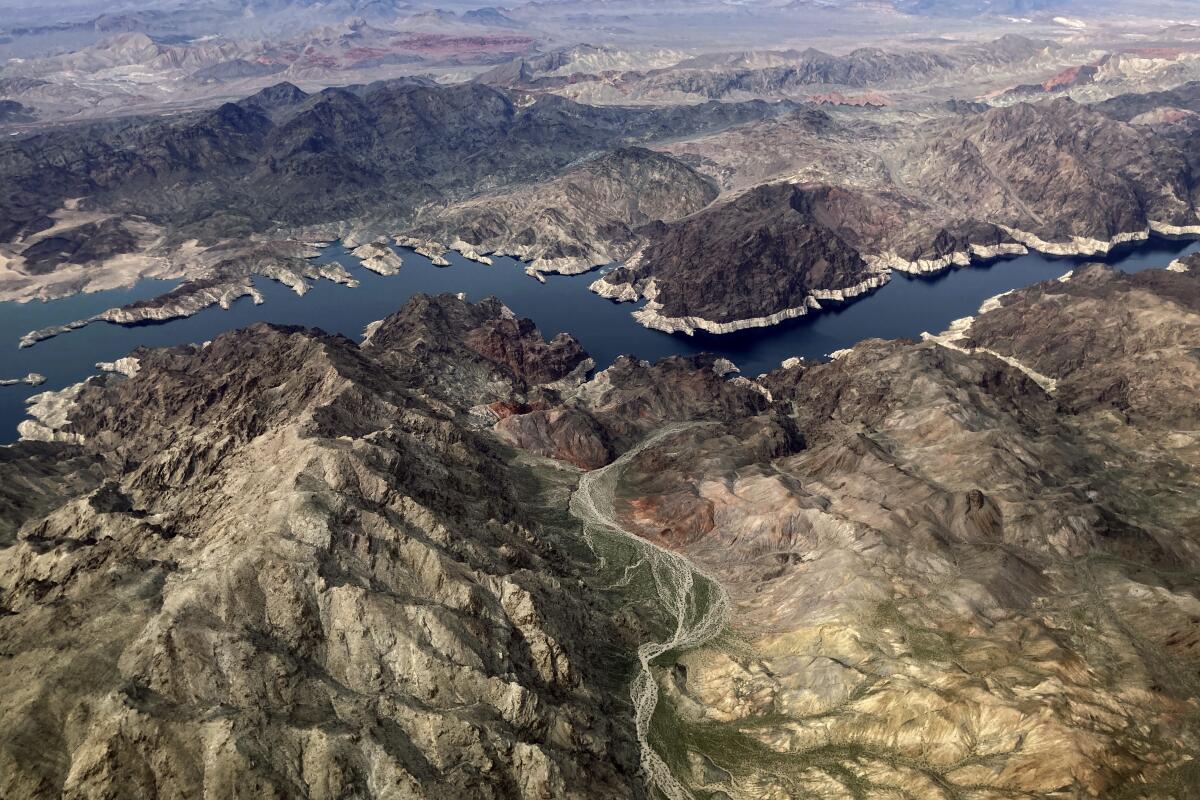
(586, 217)
(150, 197)
(31, 379)
(224, 274)
(941, 571)
(830, 202)
(794, 74)
(389, 620)
(858, 202)
(941, 566)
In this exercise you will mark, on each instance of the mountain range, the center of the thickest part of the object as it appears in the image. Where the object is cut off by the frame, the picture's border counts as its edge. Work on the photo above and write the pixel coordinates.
(456, 556)
(288, 560)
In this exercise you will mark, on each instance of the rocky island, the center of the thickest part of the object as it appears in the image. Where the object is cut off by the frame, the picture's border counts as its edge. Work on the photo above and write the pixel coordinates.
(31, 379)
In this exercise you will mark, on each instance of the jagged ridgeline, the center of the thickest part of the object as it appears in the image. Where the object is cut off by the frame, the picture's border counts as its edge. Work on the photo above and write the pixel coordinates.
(452, 558)
(445, 562)
(285, 159)
(722, 216)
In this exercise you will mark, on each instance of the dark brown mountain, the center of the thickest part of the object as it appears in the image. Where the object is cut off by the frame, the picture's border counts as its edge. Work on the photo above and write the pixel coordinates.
(283, 159)
(1055, 176)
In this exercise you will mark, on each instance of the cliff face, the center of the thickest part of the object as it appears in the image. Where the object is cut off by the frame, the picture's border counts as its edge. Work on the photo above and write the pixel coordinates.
(286, 561)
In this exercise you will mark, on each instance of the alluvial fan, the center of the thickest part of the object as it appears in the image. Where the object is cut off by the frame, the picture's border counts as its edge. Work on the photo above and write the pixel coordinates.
(696, 604)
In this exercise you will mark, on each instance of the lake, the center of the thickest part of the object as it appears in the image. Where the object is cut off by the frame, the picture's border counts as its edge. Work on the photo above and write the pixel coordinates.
(904, 307)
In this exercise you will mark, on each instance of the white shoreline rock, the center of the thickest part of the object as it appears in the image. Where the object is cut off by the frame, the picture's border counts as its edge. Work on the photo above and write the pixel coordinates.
(842, 295)
(959, 258)
(742, 380)
(958, 330)
(370, 331)
(993, 302)
(570, 265)
(1077, 245)
(986, 252)
(33, 337)
(723, 366)
(470, 252)
(51, 413)
(432, 250)
(223, 295)
(650, 317)
(31, 379)
(922, 266)
(378, 257)
(617, 292)
(1167, 229)
(127, 366)
(883, 263)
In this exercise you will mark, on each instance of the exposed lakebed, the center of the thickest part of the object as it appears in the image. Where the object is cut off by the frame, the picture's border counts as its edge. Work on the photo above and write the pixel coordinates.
(904, 307)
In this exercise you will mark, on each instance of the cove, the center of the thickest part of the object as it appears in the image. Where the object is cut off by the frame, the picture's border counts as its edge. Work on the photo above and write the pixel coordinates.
(904, 307)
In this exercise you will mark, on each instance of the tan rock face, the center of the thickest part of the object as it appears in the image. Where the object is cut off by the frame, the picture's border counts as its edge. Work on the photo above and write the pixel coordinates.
(263, 601)
(581, 219)
(948, 589)
(288, 562)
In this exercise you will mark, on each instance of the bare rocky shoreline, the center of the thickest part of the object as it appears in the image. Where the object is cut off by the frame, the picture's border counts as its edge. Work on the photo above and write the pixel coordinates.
(196, 295)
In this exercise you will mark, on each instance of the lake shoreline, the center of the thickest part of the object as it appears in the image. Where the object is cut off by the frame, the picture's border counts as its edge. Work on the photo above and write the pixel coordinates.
(904, 307)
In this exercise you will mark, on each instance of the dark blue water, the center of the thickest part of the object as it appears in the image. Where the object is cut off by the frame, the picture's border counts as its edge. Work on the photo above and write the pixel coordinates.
(903, 308)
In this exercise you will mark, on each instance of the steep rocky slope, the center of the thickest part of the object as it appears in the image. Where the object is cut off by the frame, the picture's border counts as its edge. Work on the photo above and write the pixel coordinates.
(962, 568)
(326, 163)
(848, 200)
(280, 566)
(764, 256)
(1058, 172)
(581, 219)
(321, 158)
(958, 568)
(744, 215)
